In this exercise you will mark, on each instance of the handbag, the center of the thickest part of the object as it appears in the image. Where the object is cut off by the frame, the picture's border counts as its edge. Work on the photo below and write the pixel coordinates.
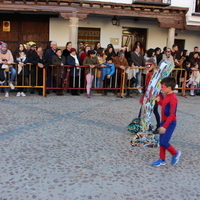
(65, 83)
(132, 80)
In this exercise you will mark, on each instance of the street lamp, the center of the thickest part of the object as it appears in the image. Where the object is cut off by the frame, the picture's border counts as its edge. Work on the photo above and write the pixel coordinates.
(114, 21)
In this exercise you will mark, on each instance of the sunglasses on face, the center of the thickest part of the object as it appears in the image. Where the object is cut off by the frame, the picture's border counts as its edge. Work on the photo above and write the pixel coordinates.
(168, 51)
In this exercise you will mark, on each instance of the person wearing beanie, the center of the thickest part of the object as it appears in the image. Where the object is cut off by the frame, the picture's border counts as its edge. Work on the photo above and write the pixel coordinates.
(91, 61)
(6, 59)
(108, 69)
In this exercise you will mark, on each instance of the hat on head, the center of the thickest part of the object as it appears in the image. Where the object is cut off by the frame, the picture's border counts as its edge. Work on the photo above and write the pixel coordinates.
(4, 44)
(72, 50)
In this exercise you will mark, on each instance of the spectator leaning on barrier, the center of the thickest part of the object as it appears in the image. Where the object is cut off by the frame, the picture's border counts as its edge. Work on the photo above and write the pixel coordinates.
(49, 53)
(101, 58)
(194, 79)
(138, 59)
(124, 49)
(107, 71)
(40, 60)
(20, 57)
(168, 57)
(91, 61)
(58, 72)
(6, 59)
(121, 64)
(85, 53)
(74, 61)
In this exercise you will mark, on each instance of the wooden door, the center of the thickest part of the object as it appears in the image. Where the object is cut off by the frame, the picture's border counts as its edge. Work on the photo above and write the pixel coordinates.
(89, 35)
(132, 35)
(25, 28)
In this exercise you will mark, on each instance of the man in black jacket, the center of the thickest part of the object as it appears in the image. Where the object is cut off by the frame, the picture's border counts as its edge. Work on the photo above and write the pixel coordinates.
(137, 60)
(40, 60)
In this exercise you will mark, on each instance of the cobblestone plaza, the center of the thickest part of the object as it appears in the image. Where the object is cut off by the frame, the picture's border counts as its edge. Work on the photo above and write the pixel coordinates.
(74, 148)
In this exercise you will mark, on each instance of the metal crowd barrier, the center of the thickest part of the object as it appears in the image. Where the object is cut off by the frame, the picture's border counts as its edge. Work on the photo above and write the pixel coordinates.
(27, 80)
(184, 88)
(128, 74)
(179, 74)
(120, 81)
(54, 82)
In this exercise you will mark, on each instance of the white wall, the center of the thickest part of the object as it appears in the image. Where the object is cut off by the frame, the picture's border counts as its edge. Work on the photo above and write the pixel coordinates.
(156, 36)
(58, 31)
(181, 3)
(191, 38)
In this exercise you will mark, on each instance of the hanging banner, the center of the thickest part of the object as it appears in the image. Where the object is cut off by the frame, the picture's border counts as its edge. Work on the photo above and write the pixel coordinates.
(6, 26)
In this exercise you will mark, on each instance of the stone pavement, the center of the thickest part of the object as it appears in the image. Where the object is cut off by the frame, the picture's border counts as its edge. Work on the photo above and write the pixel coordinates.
(74, 148)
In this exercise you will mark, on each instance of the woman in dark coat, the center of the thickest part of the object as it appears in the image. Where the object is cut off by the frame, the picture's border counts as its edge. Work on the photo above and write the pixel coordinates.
(75, 71)
(58, 72)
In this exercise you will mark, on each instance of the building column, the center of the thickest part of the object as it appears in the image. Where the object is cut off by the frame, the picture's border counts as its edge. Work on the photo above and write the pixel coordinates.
(171, 35)
(73, 30)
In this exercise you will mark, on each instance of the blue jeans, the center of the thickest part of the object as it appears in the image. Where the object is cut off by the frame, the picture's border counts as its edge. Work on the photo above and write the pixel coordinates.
(98, 82)
(197, 91)
(12, 72)
(138, 78)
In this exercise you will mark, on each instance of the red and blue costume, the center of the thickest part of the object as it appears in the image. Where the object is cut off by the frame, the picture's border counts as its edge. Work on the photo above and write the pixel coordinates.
(168, 113)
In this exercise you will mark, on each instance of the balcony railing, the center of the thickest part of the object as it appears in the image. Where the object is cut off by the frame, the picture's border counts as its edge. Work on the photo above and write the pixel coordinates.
(153, 2)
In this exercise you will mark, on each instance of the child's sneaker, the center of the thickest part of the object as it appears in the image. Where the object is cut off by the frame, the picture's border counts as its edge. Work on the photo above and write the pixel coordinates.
(18, 94)
(23, 94)
(139, 88)
(6, 94)
(158, 162)
(175, 158)
(12, 86)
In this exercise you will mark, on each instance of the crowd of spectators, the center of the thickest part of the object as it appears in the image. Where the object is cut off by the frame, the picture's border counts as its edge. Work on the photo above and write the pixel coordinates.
(106, 60)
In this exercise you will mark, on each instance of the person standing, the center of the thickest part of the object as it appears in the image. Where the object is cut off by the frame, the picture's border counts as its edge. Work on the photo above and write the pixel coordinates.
(108, 69)
(42, 61)
(74, 61)
(49, 53)
(168, 57)
(121, 65)
(138, 59)
(20, 57)
(66, 51)
(59, 60)
(91, 61)
(6, 59)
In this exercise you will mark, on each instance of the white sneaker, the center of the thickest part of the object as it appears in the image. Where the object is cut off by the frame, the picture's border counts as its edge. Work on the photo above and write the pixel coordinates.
(139, 88)
(23, 94)
(12, 86)
(18, 94)
(6, 94)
